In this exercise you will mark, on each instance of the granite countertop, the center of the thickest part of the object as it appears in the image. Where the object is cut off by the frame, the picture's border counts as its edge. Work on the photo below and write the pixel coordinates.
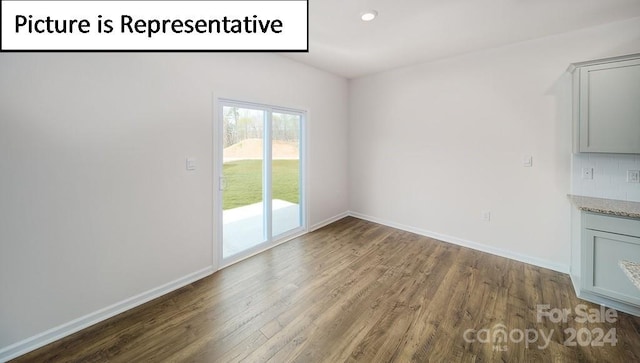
(632, 270)
(607, 206)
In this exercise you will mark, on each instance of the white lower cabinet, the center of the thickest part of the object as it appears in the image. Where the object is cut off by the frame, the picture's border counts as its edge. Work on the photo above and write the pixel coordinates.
(605, 241)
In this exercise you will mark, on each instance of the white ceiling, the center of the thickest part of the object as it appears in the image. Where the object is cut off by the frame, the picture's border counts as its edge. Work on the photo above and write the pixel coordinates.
(412, 31)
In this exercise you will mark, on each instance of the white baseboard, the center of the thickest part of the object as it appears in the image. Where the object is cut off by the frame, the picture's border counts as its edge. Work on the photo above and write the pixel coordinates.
(329, 221)
(473, 245)
(51, 335)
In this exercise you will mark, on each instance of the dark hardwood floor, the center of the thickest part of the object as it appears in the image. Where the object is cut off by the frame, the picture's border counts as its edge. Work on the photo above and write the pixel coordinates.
(357, 291)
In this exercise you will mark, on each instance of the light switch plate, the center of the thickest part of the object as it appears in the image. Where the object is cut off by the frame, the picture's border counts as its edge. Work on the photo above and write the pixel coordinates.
(633, 176)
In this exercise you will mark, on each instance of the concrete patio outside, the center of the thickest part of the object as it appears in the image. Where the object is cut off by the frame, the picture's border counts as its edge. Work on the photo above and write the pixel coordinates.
(243, 226)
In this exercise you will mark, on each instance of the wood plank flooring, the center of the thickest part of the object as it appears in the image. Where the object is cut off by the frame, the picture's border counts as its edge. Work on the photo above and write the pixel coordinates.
(355, 291)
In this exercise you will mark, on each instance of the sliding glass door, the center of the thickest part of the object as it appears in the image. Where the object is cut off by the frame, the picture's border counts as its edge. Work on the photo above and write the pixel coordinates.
(261, 179)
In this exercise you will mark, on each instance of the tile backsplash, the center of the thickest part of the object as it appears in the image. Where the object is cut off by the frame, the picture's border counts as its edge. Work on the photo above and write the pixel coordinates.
(609, 176)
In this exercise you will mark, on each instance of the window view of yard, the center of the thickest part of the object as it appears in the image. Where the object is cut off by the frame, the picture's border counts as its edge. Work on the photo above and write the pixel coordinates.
(243, 179)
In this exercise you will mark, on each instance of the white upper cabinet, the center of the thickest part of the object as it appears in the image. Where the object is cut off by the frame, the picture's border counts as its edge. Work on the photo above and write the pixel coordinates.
(606, 108)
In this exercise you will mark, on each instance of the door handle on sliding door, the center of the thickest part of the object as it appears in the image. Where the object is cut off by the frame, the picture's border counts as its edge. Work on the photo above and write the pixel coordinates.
(222, 183)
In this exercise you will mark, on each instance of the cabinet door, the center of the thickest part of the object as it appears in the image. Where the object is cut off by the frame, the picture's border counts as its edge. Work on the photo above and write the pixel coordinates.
(609, 110)
(602, 252)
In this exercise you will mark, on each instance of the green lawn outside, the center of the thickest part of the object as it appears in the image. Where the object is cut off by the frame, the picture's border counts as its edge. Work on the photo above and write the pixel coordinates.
(243, 182)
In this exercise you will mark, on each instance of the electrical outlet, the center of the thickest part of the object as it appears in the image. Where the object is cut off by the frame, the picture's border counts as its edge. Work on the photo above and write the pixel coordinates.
(191, 164)
(633, 176)
(485, 215)
(587, 173)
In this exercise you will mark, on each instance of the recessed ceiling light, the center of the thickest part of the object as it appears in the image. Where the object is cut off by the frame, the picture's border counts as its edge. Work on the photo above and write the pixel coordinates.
(368, 15)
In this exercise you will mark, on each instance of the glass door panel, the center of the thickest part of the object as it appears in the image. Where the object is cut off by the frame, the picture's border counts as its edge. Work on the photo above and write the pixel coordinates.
(285, 173)
(242, 179)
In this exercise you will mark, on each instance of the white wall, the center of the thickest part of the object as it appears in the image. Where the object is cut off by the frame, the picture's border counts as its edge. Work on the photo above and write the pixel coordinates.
(433, 145)
(95, 204)
(609, 176)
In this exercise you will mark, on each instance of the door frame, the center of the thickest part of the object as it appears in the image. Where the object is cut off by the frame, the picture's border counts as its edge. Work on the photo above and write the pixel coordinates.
(217, 174)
